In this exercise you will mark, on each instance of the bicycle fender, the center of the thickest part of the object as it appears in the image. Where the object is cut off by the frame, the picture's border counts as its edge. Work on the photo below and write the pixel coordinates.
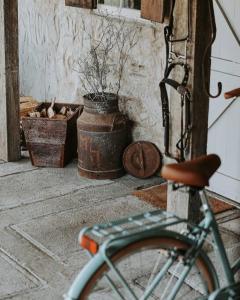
(116, 244)
(83, 277)
(230, 292)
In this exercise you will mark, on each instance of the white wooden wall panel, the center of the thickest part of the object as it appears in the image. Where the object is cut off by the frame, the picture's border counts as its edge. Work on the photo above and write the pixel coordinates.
(225, 46)
(217, 106)
(226, 187)
(224, 120)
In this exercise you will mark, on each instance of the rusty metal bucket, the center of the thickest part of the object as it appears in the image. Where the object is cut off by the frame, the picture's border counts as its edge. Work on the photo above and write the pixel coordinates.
(103, 135)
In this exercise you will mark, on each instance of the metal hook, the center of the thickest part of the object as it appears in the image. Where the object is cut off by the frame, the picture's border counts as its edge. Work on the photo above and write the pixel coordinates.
(220, 88)
(214, 32)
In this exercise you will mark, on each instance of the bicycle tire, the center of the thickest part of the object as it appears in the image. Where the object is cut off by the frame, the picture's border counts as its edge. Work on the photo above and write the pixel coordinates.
(203, 264)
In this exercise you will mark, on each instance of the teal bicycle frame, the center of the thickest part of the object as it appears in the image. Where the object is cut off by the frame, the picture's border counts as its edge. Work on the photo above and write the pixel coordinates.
(209, 223)
(117, 237)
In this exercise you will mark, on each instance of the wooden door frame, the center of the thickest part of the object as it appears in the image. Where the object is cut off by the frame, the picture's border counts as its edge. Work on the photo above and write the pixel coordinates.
(184, 205)
(9, 81)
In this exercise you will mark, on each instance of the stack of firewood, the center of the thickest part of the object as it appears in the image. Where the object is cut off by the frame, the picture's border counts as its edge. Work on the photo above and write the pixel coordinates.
(52, 113)
(27, 105)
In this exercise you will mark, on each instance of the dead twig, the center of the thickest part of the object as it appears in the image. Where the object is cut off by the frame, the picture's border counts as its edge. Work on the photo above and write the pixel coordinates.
(109, 51)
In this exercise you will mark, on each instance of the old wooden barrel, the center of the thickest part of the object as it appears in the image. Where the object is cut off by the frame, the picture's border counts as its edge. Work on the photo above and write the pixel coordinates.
(103, 135)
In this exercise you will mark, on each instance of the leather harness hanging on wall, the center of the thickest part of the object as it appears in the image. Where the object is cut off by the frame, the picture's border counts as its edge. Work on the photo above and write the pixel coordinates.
(174, 60)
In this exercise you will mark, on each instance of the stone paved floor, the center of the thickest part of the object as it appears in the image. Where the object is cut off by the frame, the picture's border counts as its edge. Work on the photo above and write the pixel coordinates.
(41, 214)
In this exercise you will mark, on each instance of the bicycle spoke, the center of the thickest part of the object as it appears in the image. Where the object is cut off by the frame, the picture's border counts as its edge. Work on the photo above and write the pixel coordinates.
(123, 281)
(149, 273)
(155, 268)
(157, 279)
(170, 281)
(114, 287)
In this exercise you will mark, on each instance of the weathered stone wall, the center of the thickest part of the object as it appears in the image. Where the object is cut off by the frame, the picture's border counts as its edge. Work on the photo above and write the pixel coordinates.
(50, 42)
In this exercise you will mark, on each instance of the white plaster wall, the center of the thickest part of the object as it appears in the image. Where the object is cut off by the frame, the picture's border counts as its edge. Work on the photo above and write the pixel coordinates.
(51, 40)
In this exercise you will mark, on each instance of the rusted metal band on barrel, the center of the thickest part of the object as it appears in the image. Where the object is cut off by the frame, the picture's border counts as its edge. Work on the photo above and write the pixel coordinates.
(100, 110)
(97, 131)
(101, 174)
(98, 106)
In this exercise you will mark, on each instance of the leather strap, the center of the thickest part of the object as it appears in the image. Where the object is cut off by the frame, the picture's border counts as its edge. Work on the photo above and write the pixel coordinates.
(180, 87)
(182, 90)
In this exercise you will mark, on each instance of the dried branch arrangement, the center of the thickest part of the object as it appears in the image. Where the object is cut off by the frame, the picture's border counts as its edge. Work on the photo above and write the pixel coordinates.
(102, 69)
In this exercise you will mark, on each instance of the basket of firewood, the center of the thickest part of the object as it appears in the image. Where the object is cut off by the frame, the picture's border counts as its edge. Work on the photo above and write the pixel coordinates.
(51, 133)
(27, 105)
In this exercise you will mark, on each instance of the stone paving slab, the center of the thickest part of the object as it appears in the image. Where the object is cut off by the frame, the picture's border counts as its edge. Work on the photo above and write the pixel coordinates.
(14, 279)
(42, 184)
(86, 197)
(41, 214)
(106, 294)
(229, 238)
(186, 292)
(74, 264)
(232, 223)
(11, 168)
(57, 234)
(34, 260)
(134, 183)
(228, 215)
(46, 293)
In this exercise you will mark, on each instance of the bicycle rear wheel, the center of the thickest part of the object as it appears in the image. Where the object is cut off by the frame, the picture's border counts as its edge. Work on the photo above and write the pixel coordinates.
(140, 262)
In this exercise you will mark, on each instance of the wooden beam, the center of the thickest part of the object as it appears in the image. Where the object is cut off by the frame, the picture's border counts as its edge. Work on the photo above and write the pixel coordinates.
(9, 83)
(179, 203)
(90, 4)
(155, 10)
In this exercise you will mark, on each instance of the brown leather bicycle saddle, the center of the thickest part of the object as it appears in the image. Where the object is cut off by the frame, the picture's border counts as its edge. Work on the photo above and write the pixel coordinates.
(194, 173)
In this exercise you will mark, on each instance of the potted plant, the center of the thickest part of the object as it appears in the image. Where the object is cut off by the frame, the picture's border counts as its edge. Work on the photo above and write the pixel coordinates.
(103, 132)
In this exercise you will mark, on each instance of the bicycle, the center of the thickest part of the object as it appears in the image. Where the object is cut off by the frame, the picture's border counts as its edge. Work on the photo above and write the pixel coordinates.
(141, 257)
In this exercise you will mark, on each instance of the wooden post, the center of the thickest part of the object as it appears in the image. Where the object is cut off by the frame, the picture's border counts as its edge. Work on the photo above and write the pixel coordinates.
(9, 84)
(180, 203)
